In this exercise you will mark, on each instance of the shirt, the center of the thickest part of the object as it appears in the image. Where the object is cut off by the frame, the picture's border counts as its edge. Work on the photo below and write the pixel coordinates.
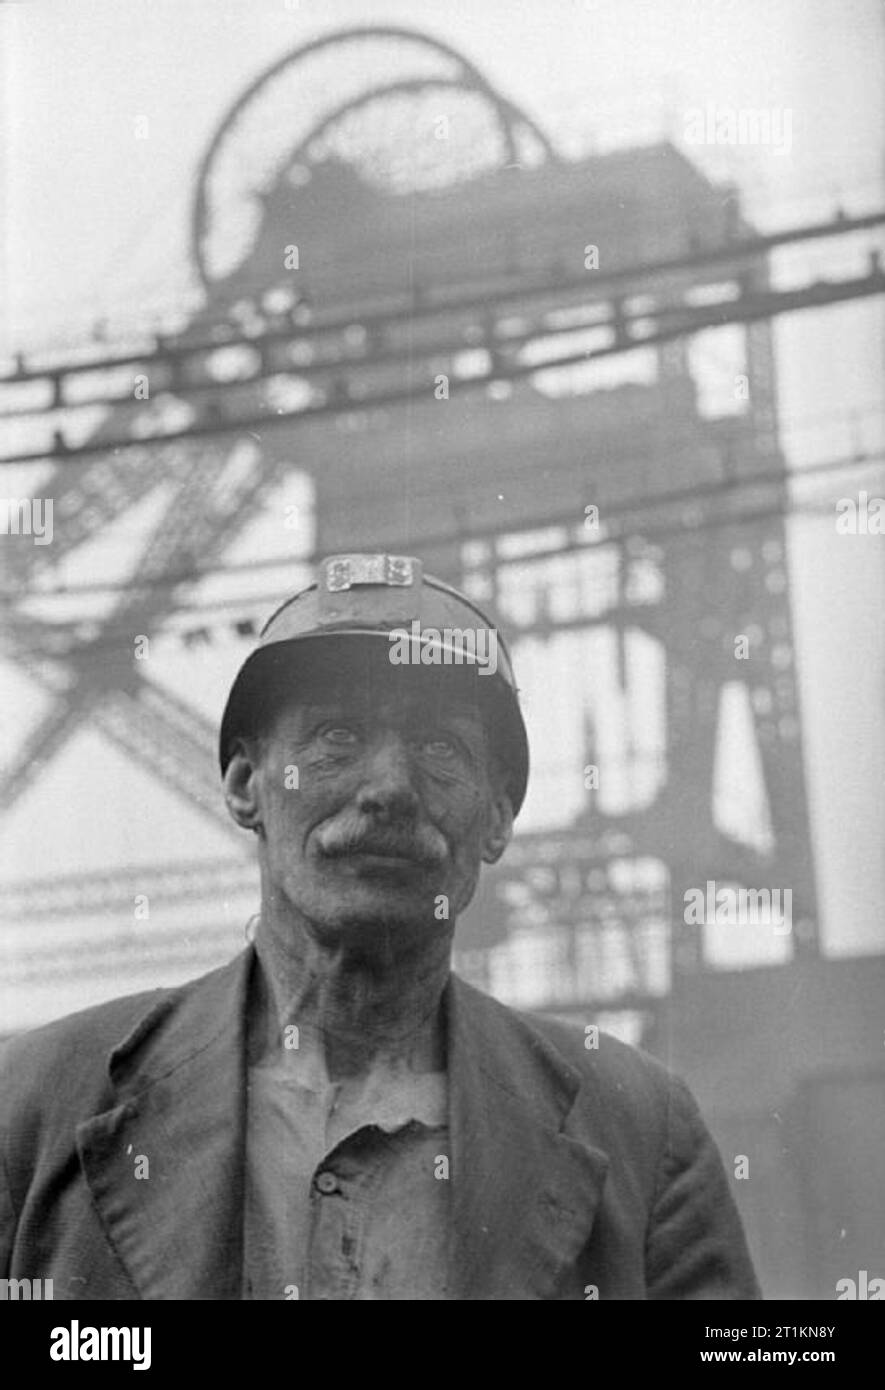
(357, 1210)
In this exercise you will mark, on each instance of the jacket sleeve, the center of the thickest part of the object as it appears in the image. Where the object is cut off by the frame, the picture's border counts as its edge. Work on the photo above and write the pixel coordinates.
(8, 1220)
(695, 1246)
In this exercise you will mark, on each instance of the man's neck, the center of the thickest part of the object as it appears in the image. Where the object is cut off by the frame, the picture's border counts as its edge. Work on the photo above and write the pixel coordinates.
(362, 1013)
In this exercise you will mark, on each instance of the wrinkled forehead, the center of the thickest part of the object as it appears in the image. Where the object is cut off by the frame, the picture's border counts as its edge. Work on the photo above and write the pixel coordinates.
(366, 684)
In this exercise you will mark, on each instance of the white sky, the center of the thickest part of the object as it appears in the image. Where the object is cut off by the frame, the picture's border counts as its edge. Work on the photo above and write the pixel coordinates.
(97, 222)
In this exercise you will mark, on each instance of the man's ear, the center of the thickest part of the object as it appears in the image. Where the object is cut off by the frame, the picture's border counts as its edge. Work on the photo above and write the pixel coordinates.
(241, 787)
(499, 829)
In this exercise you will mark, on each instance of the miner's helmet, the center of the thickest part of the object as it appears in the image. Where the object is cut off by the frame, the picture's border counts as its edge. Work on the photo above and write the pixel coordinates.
(381, 598)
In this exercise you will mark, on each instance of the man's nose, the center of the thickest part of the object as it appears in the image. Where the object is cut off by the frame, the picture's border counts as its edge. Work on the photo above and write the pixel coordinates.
(388, 788)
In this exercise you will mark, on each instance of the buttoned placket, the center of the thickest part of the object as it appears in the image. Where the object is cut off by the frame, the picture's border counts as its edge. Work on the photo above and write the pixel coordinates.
(341, 1194)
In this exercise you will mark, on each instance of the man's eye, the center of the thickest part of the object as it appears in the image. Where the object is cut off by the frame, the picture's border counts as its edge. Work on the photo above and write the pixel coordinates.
(341, 734)
(439, 747)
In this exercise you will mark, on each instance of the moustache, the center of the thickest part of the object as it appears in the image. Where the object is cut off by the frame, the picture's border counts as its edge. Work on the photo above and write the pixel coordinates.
(356, 835)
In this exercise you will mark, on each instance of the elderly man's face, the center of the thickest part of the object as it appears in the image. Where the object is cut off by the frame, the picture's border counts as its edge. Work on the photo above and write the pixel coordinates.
(396, 803)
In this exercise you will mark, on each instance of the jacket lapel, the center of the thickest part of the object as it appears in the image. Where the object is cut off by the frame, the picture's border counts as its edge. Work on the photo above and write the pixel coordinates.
(525, 1190)
(179, 1121)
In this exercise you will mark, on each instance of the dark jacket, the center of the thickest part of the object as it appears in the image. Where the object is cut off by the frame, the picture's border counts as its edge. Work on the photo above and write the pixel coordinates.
(571, 1170)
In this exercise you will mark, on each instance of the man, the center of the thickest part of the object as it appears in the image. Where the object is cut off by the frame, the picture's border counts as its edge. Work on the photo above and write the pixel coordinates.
(334, 1115)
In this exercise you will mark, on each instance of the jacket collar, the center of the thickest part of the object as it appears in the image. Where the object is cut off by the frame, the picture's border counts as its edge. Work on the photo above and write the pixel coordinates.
(526, 1182)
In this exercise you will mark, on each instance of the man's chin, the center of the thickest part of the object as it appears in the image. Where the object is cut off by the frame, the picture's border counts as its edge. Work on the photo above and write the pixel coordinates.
(375, 907)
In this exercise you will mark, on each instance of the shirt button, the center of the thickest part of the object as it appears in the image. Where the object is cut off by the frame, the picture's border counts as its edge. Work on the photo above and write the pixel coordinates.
(327, 1183)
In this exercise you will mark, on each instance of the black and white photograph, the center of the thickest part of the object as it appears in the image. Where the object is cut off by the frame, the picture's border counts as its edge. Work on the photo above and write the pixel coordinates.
(442, 549)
